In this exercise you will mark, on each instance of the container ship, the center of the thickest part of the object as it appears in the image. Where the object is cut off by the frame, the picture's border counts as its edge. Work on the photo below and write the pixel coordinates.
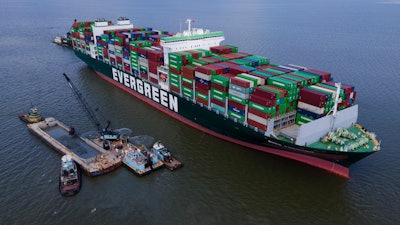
(283, 109)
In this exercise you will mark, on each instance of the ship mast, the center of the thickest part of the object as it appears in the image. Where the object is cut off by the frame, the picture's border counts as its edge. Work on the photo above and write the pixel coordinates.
(337, 85)
(189, 22)
(334, 109)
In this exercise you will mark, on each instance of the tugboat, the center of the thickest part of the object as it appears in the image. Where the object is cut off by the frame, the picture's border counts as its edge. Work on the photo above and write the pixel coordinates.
(139, 158)
(64, 40)
(70, 177)
(165, 156)
(33, 116)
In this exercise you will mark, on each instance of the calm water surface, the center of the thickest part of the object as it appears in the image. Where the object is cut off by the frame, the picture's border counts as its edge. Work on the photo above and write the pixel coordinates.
(357, 41)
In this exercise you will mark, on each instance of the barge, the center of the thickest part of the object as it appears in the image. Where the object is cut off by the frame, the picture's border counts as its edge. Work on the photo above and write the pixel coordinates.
(92, 159)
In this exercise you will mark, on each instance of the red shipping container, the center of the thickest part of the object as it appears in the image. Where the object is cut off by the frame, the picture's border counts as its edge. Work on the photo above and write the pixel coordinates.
(237, 70)
(264, 93)
(219, 87)
(172, 70)
(202, 88)
(186, 84)
(228, 75)
(204, 69)
(259, 113)
(256, 124)
(195, 55)
(221, 49)
(217, 102)
(325, 76)
(153, 80)
(347, 88)
(262, 101)
(240, 82)
(144, 76)
(236, 105)
(175, 89)
(283, 92)
(142, 51)
(119, 59)
(312, 97)
(154, 55)
(200, 100)
(188, 72)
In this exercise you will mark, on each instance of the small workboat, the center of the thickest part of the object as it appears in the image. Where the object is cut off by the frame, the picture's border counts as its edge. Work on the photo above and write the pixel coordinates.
(70, 177)
(33, 116)
(165, 156)
(64, 40)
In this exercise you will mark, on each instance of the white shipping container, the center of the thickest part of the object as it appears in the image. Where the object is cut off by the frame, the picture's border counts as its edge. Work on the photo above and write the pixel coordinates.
(202, 75)
(257, 119)
(310, 108)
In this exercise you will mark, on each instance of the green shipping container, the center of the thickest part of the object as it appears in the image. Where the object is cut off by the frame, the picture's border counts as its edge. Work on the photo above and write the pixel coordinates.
(238, 99)
(201, 95)
(220, 80)
(187, 92)
(262, 108)
(235, 115)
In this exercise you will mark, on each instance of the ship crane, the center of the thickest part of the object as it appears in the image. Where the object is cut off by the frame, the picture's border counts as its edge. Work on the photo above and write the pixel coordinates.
(334, 109)
(106, 133)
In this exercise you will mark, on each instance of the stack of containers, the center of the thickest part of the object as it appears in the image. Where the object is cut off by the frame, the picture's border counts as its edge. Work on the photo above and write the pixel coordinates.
(262, 106)
(175, 62)
(349, 94)
(111, 52)
(312, 104)
(143, 63)
(126, 58)
(203, 82)
(99, 48)
(155, 59)
(118, 43)
(325, 76)
(104, 41)
(188, 80)
(312, 78)
(292, 87)
(238, 97)
(219, 92)
(134, 54)
(81, 33)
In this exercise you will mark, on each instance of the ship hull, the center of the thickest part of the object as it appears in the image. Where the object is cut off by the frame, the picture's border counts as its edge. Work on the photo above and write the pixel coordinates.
(210, 122)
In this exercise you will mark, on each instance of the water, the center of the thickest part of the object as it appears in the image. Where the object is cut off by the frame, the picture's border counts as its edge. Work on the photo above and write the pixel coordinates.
(357, 41)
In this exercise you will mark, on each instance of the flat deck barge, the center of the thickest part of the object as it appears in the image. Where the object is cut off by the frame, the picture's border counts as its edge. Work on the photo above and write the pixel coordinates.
(91, 158)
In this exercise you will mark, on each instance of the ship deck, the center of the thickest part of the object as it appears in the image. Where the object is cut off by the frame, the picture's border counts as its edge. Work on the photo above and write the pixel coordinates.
(92, 159)
(329, 145)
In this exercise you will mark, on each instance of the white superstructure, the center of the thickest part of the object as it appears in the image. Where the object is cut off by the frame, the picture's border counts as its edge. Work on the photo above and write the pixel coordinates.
(192, 38)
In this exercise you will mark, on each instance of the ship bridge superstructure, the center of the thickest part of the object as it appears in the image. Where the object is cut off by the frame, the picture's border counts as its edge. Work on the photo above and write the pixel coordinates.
(192, 38)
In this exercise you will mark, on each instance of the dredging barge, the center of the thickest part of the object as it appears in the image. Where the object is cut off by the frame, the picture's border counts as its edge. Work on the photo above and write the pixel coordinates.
(92, 159)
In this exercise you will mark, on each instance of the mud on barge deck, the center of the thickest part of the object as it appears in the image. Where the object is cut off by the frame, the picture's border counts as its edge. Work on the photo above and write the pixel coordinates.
(91, 158)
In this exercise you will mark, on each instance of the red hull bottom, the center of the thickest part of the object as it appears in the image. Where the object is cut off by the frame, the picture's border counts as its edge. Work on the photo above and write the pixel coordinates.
(315, 162)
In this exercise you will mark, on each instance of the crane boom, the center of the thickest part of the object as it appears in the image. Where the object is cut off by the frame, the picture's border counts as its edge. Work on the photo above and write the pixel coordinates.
(83, 102)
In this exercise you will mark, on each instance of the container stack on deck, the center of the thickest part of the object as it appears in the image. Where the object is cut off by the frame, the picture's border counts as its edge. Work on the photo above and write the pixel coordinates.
(242, 86)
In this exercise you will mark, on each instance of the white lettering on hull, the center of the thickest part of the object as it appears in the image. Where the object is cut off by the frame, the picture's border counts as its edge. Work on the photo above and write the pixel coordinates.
(159, 96)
